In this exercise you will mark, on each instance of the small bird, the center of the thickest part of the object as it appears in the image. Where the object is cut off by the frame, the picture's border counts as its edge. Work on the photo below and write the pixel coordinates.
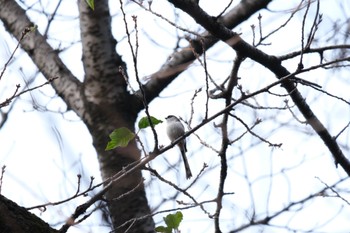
(175, 129)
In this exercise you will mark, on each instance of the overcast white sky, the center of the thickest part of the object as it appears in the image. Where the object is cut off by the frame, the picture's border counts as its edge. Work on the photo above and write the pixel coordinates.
(44, 150)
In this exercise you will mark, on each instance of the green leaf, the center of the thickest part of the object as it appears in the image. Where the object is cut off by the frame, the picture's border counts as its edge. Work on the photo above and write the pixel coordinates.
(163, 229)
(91, 4)
(120, 138)
(173, 220)
(144, 123)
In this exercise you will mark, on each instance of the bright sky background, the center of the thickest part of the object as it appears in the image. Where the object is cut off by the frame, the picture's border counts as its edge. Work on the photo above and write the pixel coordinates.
(44, 150)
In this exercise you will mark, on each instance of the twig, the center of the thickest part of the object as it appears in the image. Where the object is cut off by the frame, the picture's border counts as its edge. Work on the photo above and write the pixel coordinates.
(15, 95)
(25, 32)
(2, 176)
(77, 194)
(254, 134)
(134, 53)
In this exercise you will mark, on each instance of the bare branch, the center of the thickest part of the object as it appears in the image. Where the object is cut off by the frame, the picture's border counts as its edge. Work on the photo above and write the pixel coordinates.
(42, 54)
(233, 40)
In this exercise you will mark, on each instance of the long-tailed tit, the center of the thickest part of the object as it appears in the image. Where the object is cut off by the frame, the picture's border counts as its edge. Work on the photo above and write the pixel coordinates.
(175, 129)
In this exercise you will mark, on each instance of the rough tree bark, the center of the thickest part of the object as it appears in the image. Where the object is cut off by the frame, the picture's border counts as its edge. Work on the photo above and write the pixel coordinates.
(16, 219)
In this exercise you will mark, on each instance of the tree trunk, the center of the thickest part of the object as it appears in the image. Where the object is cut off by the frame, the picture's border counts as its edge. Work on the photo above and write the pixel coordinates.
(109, 106)
(102, 102)
(16, 219)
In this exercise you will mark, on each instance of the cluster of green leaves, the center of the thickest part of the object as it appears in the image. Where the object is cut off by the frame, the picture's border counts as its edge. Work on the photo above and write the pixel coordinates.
(122, 136)
(172, 222)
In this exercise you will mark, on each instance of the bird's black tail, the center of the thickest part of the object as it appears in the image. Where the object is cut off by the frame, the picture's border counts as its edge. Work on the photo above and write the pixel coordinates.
(187, 166)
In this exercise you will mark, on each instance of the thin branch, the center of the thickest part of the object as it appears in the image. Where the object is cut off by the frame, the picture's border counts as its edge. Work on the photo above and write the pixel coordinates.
(134, 53)
(267, 219)
(52, 17)
(15, 95)
(25, 32)
(312, 50)
(77, 194)
(139, 3)
(254, 134)
(238, 44)
(2, 176)
(181, 190)
(334, 191)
